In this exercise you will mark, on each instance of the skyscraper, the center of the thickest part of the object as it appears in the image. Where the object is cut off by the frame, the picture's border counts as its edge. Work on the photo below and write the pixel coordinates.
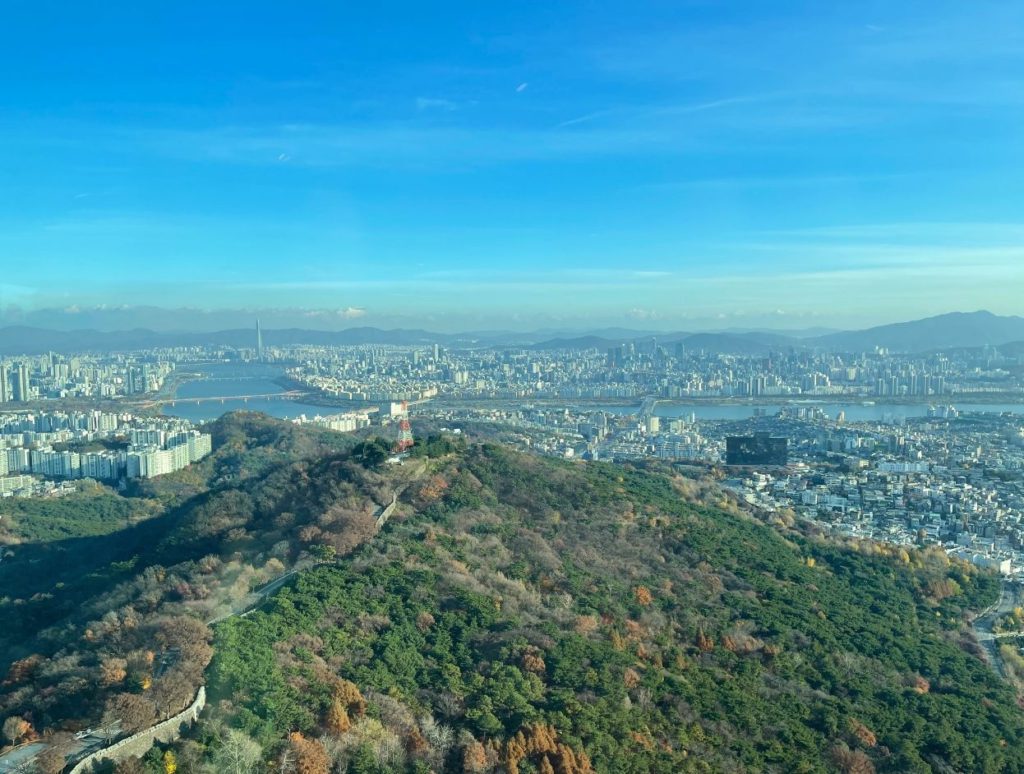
(21, 383)
(259, 341)
(5, 394)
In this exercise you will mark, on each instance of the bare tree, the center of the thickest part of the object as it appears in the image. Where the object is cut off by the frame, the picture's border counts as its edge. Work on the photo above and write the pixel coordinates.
(238, 754)
(286, 762)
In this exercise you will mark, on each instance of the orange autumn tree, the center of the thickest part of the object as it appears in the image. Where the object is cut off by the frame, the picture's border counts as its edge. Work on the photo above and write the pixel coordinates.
(346, 701)
(350, 697)
(643, 595)
(337, 721)
(474, 758)
(310, 755)
(539, 744)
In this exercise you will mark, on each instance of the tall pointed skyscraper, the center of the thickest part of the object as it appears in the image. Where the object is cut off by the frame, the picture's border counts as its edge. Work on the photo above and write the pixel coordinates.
(259, 341)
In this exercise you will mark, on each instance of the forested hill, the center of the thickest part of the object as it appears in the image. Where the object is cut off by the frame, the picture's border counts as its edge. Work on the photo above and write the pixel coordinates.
(95, 623)
(528, 615)
(517, 614)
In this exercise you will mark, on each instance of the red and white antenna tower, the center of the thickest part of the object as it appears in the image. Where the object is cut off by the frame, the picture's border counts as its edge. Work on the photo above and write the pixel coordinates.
(405, 439)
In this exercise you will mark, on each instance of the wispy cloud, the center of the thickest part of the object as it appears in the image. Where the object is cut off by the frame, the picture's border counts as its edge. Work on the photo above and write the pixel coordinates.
(657, 129)
(781, 180)
(638, 114)
(10, 292)
(724, 102)
(400, 144)
(435, 103)
(953, 54)
(584, 118)
(923, 232)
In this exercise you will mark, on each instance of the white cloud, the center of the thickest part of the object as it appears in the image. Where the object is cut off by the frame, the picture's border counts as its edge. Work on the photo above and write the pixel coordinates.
(348, 313)
(643, 314)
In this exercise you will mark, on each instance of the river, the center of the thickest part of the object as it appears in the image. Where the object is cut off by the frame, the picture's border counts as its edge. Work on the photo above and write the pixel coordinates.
(239, 380)
(855, 412)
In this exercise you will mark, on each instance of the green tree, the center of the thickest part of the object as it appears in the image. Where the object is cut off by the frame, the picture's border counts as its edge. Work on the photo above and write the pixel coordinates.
(323, 553)
(372, 453)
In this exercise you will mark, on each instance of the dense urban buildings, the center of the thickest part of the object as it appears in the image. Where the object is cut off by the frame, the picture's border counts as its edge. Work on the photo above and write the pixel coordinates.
(641, 369)
(92, 444)
(825, 435)
(58, 377)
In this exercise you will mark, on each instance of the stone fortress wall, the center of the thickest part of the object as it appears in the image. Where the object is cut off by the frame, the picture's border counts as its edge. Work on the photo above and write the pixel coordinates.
(137, 745)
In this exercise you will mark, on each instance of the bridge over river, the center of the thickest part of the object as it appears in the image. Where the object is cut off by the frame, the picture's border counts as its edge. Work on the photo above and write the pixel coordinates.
(286, 395)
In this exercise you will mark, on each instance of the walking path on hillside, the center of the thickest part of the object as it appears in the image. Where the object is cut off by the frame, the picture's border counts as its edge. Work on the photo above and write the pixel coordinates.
(984, 623)
(23, 757)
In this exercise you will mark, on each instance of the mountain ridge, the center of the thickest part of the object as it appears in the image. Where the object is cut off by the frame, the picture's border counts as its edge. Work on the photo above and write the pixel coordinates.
(947, 331)
(944, 331)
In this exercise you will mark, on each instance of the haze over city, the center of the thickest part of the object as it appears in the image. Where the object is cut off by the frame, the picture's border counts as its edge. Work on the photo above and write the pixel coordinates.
(512, 388)
(791, 165)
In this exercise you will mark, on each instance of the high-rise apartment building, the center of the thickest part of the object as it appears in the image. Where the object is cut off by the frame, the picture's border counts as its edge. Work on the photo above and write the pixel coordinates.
(21, 383)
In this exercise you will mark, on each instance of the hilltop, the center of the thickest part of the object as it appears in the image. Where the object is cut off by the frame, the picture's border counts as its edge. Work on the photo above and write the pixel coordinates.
(517, 614)
(524, 614)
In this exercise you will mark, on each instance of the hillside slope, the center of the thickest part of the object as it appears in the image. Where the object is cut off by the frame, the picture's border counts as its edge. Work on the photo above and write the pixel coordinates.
(86, 620)
(527, 615)
(517, 614)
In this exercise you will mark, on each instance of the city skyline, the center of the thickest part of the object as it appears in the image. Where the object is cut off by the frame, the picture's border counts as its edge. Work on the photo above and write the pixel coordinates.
(547, 167)
(548, 387)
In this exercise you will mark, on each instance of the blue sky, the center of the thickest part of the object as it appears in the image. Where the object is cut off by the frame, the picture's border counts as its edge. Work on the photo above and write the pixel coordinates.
(470, 165)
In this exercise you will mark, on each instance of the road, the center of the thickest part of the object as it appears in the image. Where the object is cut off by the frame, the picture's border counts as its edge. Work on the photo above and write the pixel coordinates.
(986, 620)
(259, 596)
(21, 759)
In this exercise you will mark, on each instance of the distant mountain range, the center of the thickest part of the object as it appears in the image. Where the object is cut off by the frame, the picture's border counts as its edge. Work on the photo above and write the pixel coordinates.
(26, 340)
(948, 331)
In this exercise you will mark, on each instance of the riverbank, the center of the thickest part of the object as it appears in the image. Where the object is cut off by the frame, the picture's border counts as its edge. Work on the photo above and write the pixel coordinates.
(249, 387)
